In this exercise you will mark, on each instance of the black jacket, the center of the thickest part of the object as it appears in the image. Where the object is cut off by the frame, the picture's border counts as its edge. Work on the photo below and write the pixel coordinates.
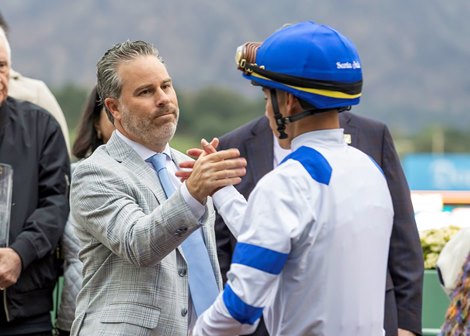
(32, 143)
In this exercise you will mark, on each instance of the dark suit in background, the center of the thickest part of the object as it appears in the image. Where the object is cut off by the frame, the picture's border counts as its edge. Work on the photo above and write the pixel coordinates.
(403, 301)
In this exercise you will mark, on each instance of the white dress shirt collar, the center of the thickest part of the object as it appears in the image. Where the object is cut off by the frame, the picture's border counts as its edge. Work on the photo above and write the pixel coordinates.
(140, 149)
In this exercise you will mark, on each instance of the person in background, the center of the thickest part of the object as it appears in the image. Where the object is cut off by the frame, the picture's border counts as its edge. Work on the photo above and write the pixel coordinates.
(457, 319)
(32, 143)
(94, 130)
(313, 239)
(35, 91)
(452, 258)
(147, 239)
(453, 268)
(403, 296)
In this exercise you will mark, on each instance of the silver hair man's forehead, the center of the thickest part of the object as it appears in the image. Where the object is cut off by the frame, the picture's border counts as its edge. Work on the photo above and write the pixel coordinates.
(4, 41)
(108, 81)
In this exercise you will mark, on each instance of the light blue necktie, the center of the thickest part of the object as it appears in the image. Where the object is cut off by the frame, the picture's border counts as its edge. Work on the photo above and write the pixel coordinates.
(202, 283)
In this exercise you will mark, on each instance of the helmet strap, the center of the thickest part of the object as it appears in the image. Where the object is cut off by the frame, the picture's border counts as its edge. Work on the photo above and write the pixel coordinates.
(280, 121)
(309, 112)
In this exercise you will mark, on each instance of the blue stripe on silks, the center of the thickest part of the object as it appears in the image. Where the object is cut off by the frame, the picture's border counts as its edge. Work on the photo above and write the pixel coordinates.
(315, 163)
(258, 257)
(240, 311)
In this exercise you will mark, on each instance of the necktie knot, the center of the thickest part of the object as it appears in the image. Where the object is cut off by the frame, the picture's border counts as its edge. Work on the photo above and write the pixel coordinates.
(158, 161)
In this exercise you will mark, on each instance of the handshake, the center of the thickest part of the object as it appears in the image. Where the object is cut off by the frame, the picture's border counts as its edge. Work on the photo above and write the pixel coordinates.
(211, 170)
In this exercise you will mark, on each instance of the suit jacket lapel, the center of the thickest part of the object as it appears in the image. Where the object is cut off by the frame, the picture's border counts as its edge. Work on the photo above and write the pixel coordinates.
(125, 155)
(260, 146)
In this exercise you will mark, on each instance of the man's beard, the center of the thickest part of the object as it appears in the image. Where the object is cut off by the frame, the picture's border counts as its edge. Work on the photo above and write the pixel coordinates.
(146, 132)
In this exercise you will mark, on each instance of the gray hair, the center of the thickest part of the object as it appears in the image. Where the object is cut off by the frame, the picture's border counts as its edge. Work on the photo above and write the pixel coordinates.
(3, 37)
(109, 84)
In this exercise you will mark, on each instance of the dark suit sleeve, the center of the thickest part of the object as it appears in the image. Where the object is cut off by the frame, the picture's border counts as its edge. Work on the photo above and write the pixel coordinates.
(405, 263)
(224, 246)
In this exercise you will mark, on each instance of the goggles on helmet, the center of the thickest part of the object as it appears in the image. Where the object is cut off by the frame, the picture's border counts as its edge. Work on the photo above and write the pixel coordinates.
(245, 58)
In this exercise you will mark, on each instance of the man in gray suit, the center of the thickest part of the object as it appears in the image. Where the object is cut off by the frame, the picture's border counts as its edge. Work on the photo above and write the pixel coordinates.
(403, 297)
(132, 227)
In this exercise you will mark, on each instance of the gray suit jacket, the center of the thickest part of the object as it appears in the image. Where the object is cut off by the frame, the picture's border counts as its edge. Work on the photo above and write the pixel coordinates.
(135, 278)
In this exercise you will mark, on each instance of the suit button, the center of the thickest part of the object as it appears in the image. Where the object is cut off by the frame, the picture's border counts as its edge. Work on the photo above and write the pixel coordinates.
(179, 232)
(182, 272)
(184, 312)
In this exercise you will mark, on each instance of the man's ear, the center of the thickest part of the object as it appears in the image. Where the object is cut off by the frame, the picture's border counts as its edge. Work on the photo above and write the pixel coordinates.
(292, 103)
(112, 105)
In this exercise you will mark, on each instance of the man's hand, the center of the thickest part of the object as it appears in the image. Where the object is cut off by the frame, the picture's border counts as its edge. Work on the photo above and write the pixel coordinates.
(206, 148)
(403, 332)
(10, 267)
(187, 166)
(212, 170)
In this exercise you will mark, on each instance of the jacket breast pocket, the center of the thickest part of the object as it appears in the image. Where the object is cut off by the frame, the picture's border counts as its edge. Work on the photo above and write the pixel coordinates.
(131, 313)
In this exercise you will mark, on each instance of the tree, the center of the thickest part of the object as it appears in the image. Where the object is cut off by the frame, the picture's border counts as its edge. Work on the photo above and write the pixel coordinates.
(72, 99)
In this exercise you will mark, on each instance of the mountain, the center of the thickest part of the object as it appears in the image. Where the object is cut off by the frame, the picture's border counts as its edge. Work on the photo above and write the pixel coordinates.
(414, 54)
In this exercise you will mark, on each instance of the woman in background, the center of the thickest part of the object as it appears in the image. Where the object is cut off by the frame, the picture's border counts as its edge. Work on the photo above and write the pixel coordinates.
(94, 130)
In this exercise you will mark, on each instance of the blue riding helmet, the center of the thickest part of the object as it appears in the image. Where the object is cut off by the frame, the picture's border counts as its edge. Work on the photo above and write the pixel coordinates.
(313, 62)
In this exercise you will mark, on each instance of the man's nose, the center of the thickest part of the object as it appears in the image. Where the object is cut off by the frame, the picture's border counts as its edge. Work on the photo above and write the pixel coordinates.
(161, 98)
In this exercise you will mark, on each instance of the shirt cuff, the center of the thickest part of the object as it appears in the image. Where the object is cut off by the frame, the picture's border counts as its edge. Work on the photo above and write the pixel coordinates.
(197, 208)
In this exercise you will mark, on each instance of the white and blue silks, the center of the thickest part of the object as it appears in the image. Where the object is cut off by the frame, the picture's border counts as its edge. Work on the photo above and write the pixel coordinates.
(313, 246)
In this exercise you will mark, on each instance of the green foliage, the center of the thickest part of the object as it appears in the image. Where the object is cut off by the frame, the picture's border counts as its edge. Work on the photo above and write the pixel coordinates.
(432, 243)
(437, 139)
(72, 100)
(214, 111)
(183, 143)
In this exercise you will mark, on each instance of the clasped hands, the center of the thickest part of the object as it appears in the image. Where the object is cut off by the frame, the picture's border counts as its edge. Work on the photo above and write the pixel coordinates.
(211, 170)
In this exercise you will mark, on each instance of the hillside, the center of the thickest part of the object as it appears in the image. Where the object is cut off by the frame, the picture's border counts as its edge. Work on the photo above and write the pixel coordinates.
(415, 58)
